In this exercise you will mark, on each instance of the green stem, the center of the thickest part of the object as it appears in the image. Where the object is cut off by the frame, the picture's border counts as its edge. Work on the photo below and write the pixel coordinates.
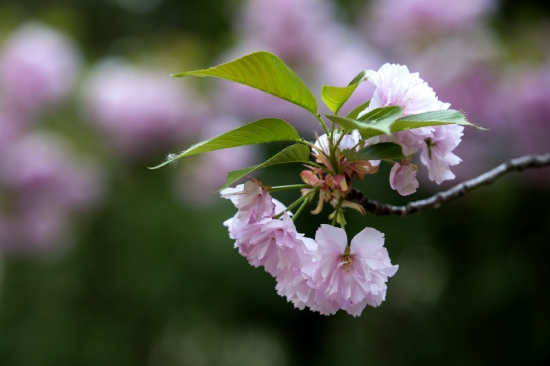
(323, 124)
(297, 202)
(336, 211)
(304, 204)
(291, 186)
(333, 222)
(317, 165)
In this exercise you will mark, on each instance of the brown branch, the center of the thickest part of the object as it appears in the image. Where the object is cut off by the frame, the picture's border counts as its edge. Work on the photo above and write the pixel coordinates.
(517, 164)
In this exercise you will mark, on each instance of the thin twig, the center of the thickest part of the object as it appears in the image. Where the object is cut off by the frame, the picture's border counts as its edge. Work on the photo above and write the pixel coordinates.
(513, 165)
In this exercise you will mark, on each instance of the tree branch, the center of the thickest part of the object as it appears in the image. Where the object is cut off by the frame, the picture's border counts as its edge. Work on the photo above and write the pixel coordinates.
(517, 164)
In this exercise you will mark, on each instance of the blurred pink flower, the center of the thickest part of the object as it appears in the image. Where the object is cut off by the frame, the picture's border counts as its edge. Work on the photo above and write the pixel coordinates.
(141, 110)
(43, 230)
(292, 29)
(526, 105)
(390, 21)
(38, 67)
(46, 186)
(12, 123)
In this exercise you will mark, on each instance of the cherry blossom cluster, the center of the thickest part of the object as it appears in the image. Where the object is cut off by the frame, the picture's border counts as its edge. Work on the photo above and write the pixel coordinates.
(396, 86)
(325, 274)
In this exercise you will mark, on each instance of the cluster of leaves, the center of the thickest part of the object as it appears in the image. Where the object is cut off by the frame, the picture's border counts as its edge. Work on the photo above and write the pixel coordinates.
(266, 72)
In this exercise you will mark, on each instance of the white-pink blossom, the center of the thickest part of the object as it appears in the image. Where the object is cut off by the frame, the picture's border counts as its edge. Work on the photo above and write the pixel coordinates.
(348, 141)
(264, 241)
(253, 202)
(437, 154)
(350, 278)
(274, 244)
(403, 178)
(396, 86)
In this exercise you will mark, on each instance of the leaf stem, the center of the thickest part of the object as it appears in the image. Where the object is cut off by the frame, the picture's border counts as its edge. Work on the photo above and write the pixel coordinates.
(297, 202)
(304, 204)
(291, 186)
(323, 124)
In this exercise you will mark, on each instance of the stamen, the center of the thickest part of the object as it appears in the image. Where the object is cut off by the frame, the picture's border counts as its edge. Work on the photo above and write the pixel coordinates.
(347, 260)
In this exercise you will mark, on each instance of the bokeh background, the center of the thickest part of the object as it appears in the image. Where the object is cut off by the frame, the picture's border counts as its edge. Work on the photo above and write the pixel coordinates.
(104, 262)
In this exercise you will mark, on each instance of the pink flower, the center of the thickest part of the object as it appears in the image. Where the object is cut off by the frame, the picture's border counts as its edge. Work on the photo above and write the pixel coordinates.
(437, 154)
(295, 284)
(264, 241)
(403, 178)
(274, 244)
(353, 277)
(396, 86)
(348, 141)
(253, 202)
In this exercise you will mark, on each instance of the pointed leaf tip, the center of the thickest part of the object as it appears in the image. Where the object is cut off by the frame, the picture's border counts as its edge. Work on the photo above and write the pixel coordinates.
(258, 132)
(266, 72)
(434, 118)
(334, 97)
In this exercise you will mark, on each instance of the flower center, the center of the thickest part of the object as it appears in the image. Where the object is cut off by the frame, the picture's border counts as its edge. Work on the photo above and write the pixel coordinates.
(346, 260)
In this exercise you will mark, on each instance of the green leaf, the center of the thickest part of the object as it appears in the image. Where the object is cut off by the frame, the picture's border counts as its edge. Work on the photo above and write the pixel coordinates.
(434, 118)
(384, 121)
(296, 153)
(374, 123)
(258, 132)
(381, 151)
(353, 114)
(264, 71)
(335, 96)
